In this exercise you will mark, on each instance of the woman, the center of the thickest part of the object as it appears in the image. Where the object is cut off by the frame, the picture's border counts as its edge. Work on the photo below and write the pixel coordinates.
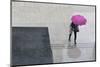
(73, 28)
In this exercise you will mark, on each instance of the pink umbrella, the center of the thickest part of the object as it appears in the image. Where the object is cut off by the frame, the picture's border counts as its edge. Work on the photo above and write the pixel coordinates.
(79, 20)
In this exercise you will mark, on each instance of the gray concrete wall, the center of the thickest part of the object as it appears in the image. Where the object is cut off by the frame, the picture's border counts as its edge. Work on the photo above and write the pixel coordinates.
(56, 17)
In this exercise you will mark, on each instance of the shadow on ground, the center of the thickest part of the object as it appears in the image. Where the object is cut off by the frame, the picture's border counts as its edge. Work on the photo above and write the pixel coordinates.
(73, 51)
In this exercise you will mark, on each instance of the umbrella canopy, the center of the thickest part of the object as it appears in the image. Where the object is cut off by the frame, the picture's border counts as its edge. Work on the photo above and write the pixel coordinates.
(79, 20)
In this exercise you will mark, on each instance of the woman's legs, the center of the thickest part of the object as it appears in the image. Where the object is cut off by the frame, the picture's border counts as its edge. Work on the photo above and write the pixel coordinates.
(75, 36)
(70, 35)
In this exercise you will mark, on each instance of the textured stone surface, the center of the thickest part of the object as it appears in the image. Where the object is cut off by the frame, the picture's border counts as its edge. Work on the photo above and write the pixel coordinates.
(30, 45)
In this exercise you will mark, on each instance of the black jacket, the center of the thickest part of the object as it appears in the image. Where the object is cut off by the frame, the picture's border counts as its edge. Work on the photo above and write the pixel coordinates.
(74, 27)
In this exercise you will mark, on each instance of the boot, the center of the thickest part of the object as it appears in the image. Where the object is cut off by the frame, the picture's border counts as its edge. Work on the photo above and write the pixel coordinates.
(75, 42)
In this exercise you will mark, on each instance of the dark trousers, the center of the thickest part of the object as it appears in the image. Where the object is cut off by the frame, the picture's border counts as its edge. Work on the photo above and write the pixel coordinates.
(75, 35)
